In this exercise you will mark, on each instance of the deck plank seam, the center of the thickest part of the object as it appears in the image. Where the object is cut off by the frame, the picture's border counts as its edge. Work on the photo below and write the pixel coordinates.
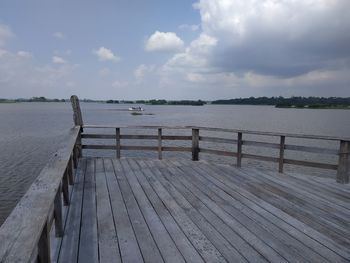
(264, 242)
(194, 221)
(178, 189)
(142, 214)
(110, 205)
(306, 229)
(264, 216)
(230, 216)
(149, 169)
(127, 212)
(170, 214)
(150, 203)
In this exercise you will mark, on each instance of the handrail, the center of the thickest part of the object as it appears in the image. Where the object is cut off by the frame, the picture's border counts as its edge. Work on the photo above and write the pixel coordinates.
(27, 228)
(290, 135)
(342, 167)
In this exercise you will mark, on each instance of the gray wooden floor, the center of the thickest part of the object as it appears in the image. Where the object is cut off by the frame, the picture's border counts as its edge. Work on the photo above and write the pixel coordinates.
(133, 210)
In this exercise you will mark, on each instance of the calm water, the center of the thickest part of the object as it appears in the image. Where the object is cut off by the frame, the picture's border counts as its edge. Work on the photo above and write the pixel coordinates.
(32, 132)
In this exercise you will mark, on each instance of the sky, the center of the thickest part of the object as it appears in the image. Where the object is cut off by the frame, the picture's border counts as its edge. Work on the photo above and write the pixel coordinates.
(166, 49)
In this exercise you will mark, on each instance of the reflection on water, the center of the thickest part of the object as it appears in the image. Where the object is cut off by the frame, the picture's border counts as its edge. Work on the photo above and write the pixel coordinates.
(32, 132)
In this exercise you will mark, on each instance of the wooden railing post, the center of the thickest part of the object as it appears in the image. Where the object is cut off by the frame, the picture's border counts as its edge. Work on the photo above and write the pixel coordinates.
(77, 116)
(44, 248)
(239, 149)
(58, 213)
(281, 159)
(159, 143)
(65, 189)
(117, 141)
(70, 171)
(195, 144)
(343, 172)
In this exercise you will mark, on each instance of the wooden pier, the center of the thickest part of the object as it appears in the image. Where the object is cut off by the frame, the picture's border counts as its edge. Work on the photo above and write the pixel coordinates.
(123, 209)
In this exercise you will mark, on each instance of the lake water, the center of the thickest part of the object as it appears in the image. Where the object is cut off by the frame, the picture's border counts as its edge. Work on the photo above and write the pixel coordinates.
(32, 132)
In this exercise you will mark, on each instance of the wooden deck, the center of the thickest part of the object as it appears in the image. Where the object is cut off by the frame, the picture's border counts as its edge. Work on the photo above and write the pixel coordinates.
(142, 210)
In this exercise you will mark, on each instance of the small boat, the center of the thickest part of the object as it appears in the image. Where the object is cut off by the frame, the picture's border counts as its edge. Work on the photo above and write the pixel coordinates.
(136, 109)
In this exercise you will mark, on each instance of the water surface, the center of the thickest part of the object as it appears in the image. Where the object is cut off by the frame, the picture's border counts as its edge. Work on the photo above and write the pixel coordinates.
(32, 132)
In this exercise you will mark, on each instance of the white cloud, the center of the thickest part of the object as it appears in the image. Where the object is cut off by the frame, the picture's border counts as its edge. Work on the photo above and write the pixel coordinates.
(20, 77)
(142, 70)
(164, 41)
(105, 54)
(278, 38)
(59, 35)
(58, 60)
(5, 34)
(189, 27)
(120, 84)
(104, 72)
(24, 54)
(196, 56)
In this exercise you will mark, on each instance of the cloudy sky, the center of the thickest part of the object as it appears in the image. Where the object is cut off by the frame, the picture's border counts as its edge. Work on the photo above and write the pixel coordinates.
(207, 49)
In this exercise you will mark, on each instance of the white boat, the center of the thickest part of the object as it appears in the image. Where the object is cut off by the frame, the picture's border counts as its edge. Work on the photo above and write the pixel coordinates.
(136, 109)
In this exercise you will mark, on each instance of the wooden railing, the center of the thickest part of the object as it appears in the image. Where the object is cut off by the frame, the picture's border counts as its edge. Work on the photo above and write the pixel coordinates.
(342, 167)
(25, 235)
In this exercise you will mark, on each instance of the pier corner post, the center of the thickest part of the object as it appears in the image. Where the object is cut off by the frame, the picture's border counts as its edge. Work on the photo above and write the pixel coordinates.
(343, 172)
(195, 144)
(77, 116)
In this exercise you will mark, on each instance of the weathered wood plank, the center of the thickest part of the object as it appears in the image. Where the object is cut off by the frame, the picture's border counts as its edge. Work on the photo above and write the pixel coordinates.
(254, 249)
(308, 236)
(129, 247)
(186, 248)
(311, 164)
(217, 152)
(108, 247)
(148, 247)
(285, 239)
(311, 149)
(70, 241)
(88, 241)
(260, 157)
(193, 233)
(239, 245)
(217, 140)
(166, 245)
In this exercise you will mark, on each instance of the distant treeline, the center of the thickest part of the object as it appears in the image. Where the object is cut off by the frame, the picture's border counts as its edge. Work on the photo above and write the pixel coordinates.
(162, 102)
(299, 102)
(33, 99)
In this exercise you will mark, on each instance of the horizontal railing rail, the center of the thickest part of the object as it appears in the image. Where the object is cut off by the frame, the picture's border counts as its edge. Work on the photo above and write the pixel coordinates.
(25, 235)
(342, 167)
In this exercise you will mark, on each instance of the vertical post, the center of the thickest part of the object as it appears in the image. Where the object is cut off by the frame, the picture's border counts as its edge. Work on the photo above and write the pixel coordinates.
(75, 156)
(58, 213)
(70, 171)
(195, 144)
(65, 189)
(44, 253)
(160, 143)
(117, 141)
(343, 172)
(77, 117)
(239, 149)
(280, 164)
